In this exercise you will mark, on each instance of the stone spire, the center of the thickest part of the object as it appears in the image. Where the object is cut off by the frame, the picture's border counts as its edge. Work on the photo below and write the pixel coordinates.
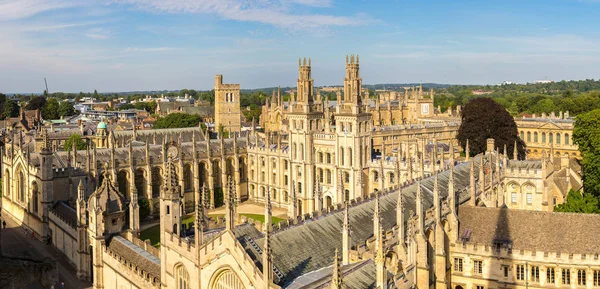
(346, 241)
(380, 261)
(199, 221)
(481, 174)
(292, 209)
(337, 281)
(420, 213)
(467, 152)
(229, 204)
(472, 184)
(81, 204)
(267, 261)
(437, 200)
(376, 215)
(134, 212)
(515, 152)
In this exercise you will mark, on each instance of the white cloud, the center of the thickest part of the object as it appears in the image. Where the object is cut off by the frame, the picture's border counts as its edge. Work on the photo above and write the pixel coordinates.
(313, 3)
(98, 33)
(17, 9)
(148, 49)
(277, 13)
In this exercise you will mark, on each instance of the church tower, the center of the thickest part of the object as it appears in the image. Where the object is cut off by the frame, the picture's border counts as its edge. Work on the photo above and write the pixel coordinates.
(353, 138)
(227, 105)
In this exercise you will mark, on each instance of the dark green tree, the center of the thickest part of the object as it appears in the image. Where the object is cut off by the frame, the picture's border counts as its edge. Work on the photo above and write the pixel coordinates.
(586, 134)
(75, 139)
(483, 118)
(37, 102)
(96, 95)
(66, 108)
(178, 120)
(50, 109)
(11, 109)
(578, 203)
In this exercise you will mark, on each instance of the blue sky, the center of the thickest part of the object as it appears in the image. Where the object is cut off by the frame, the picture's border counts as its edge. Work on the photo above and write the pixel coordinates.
(125, 45)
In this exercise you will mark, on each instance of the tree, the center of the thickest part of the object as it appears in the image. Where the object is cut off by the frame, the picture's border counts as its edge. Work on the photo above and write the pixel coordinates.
(37, 102)
(578, 203)
(483, 118)
(11, 109)
(75, 139)
(50, 109)
(178, 120)
(586, 134)
(96, 95)
(66, 108)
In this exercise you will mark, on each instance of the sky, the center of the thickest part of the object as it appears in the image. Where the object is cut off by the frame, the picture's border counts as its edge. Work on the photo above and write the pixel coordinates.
(132, 45)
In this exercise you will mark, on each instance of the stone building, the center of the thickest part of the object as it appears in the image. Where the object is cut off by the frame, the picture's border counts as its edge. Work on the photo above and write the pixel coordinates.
(552, 133)
(398, 218)
(227, 105)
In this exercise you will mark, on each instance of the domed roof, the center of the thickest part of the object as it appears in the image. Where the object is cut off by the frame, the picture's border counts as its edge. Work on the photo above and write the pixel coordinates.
(101, 125)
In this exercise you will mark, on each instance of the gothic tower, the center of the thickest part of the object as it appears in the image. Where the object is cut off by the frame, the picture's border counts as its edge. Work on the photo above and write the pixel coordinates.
(227, 105)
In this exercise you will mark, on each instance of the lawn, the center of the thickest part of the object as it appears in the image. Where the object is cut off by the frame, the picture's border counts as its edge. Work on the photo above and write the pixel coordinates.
(153, 233)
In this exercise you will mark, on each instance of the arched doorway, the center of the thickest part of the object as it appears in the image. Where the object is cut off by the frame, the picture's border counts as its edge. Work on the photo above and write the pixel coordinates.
(328, 202)
(227, 279)
(140, 182)
(156, 181)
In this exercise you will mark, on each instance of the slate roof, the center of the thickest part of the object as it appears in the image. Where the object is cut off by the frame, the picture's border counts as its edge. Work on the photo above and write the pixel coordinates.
(360, 275)
(311, 246)
(64, 211)
(135, 255)
(532, 230)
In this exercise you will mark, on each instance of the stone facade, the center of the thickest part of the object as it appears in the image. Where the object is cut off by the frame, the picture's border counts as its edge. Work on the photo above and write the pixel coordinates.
(227, 105)
(551, 133)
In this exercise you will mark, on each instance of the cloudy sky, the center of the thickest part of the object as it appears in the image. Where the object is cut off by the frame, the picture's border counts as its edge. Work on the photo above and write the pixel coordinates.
(126, 45)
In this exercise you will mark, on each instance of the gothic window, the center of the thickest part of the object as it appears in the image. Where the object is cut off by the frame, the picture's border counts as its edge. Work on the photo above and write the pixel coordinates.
(566, 276)
(535, 274)
(262, 176)
(329, 176)
(285, 197)
(183, 278)
(596, 278)
(262, 192)
(274, 179)
(529, 198)
(321, 175)
(21, 185)
(581, 277)
(346, 177)
(375, 176)
(274, 167)
(299, 171)
(227, 280)
(342, 156)
(550, 275)
(285, 163)
(513, 197)
(346, 195)
(262, 162)
(321, 157)
(294, 152)
(520, 272)
(301, 151)
(566, 138)
(458, 264)
(535, 137)
(34, 194)
(391, 178)
(478, 267)
(350, 156)
(328, 158)
(286, 180)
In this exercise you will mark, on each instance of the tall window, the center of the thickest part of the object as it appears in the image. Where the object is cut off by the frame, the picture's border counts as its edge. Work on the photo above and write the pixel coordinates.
(320, 157)
(596, 278)
(350, 156)
(522, 135)
(458, 264)
(550, 276)
(391, 178)
(520, 272)
(566, 276)
(543, 137)
(375, 176)
(328, 158)
(581, 277)
(558, 138)
(535, 137)
(566, 138)
(342, 156)
(478, 267)
(513, 197)
(183, 278)
(550, 137)
(329, 176)
(529, 198)
(321, 175)
(535, 274)
(528, 136)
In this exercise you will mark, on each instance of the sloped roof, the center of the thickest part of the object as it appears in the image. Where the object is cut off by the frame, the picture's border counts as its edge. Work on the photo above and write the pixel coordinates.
(532, 230)
(136, 255)
(311, 246)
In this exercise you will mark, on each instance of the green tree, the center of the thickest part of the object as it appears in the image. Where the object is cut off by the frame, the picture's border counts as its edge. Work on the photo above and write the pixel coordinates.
(50, 109)
(96, 95)
(578, 203)
(178, 120)
(483, 118)
(75, 139)
(586, 134)
(37, 102)
(66, 108)
(11, 109)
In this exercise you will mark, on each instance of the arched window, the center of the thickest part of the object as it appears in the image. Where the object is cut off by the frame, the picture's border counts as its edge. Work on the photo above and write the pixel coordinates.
(320, 157)
(341, 154)
(543, 137)
(550, 138)
(329, 176)
(21, 187)
(350, 156)
(321, 175)
(301, 151)
(528, 136)
(558, 138)
(294, 152)
(227, 280)
(183, 278)
(391, 178)
(535, 137)
(522, 135)
(375, 176)
(566, 138)
(328, 158)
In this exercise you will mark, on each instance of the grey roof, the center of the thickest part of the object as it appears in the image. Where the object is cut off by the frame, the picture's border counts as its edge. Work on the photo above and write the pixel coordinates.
(311, 246)
(65, 212)
(136, 255)
(359, 275)
(532, 230)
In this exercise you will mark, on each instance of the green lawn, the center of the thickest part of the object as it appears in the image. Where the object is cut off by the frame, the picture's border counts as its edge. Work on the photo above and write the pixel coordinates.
(153, 233)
